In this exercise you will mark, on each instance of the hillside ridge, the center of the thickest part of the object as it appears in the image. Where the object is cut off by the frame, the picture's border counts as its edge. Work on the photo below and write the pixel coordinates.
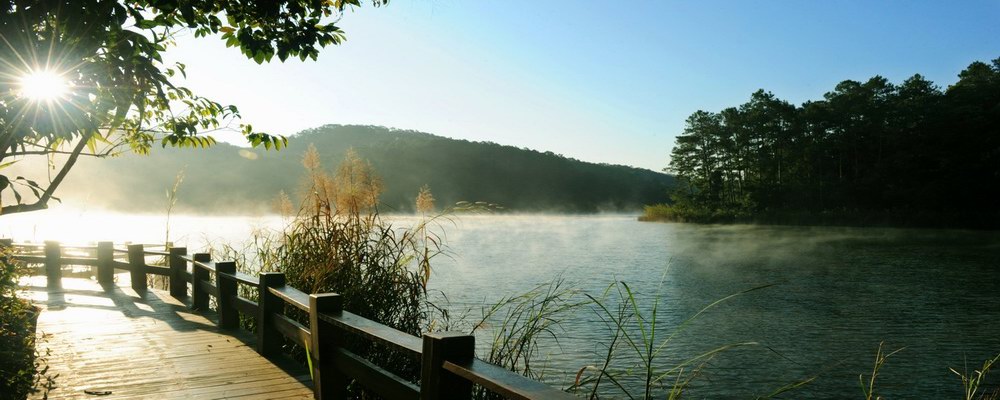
(225, 177)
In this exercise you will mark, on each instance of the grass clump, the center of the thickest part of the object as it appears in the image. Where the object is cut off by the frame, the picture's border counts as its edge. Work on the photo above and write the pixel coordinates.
(338, 242)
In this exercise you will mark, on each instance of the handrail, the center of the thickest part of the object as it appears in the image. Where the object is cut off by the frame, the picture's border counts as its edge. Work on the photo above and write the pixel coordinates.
(503, 381)
(293, 296)
(359, 325)
(240, 277)
(201, 264)
(63, 246)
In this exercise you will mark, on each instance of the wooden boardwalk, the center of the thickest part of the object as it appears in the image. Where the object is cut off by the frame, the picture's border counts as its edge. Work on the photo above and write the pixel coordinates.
(116, 344)
(118, 341)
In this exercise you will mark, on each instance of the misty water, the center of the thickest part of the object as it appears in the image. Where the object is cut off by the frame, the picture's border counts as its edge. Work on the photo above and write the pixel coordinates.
(835, 293)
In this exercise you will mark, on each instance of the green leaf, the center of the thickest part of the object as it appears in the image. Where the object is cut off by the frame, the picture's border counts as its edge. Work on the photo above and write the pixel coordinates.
(147, 24)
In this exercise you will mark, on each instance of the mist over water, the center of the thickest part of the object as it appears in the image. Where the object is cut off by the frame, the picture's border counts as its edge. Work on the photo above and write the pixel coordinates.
(837, 292)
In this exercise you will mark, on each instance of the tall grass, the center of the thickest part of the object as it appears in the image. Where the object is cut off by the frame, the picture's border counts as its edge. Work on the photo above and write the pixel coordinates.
(338, 242)
(633, 365)
(517, 324)
(972, 382)
(868, 386)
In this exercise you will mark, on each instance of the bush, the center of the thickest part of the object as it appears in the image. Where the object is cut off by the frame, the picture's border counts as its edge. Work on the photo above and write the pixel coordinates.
(18, 361)
(337, 242)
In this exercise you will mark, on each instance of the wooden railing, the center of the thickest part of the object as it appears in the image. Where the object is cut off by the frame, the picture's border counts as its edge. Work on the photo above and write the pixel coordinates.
(448, 366)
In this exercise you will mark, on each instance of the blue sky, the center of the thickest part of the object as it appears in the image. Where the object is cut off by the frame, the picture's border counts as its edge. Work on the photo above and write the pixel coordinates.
(598, 81)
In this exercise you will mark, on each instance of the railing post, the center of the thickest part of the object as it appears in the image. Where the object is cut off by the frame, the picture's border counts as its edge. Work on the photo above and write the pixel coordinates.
(105, 263)
(53, 265)
(137, 267)
(268, 337)
(199, 298)
(228, 316)
(435, 382)
(5, 246)
(178, 285)
(328, 383)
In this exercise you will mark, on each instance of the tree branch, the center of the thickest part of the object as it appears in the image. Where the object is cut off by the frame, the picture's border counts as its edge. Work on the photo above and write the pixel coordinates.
(47, 152)
(43, 200)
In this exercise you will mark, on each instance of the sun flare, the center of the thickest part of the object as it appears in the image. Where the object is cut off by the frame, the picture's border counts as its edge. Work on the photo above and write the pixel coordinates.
(43, 86)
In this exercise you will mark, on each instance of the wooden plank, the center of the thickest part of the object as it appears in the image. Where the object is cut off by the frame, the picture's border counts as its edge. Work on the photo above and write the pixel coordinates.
(209, 288)
(178, 267)
(78, 261)
(504, 382)
(199, 297)
(229, 317)
(328, 381)
(245, 306)
(151, 347)
(71, 247)
(374, 378)
(240, 380)
(156, 253)
(137, 268)
(240, 277)
(367, 328)
(440, 347)
(240, 389)
(292, 296)
(30, 259)
(268, 305)
(105, 263)
(206, 265)
(292, 330)
(157, 270)
(285, 394)
(53, 264)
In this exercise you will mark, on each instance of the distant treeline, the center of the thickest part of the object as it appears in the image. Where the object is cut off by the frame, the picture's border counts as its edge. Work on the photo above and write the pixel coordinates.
(869, 152)
(230, 179)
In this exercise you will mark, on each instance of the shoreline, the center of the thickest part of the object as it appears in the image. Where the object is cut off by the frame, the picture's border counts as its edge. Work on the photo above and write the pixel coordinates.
(856, 219)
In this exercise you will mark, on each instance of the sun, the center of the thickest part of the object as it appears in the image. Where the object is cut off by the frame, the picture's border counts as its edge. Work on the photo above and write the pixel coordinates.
(43, 85)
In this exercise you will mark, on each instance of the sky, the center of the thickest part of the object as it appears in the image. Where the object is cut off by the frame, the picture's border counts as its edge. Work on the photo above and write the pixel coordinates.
(606, 82)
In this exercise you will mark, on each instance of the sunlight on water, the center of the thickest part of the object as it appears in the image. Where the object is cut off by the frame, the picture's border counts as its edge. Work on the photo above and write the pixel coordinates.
(85, 227)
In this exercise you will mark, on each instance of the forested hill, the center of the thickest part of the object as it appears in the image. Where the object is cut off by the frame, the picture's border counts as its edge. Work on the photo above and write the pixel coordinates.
(230, 179)
(909, 153)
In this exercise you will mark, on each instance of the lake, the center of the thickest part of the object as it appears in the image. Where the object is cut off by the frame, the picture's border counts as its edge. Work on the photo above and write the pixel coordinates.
(834, 294)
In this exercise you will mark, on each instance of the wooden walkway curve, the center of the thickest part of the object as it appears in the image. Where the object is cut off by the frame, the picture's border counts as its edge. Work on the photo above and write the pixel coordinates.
(107, 339)
(113, 343)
